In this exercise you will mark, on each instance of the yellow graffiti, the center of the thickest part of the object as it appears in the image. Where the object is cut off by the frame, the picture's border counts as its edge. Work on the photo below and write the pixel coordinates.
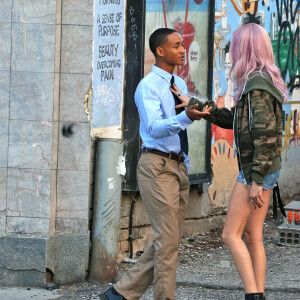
(288, 136)
(86, 98)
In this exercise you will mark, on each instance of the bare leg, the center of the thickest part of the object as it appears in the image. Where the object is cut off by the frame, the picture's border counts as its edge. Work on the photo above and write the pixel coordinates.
(254, 240)
(238, 213)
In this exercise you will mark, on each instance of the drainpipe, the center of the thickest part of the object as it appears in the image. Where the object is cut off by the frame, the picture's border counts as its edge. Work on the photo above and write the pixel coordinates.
(106, 210)
(131, 224)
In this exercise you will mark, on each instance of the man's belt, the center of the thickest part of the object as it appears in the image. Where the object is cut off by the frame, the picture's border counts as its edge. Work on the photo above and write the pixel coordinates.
(174, 156)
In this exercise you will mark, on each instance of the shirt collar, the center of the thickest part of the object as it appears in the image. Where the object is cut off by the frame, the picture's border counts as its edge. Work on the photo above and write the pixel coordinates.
(162, 73)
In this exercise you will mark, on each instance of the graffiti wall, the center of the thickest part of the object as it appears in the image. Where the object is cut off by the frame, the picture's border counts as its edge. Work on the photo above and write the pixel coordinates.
(281, 19)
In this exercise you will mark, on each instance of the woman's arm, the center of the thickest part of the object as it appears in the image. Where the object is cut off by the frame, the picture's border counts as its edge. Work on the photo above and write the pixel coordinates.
(264, 134)
(222, 117)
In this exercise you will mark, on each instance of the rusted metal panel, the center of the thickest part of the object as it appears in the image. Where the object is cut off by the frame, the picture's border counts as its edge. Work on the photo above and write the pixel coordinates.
(106, 211)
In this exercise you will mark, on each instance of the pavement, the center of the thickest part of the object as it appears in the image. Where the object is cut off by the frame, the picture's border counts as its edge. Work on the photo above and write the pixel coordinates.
(205, 271)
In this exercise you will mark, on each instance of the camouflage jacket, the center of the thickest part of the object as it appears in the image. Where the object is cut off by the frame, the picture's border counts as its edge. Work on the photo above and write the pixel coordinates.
(257, 127)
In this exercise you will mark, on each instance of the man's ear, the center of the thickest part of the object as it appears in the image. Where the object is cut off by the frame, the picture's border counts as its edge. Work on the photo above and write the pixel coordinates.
(160, 51)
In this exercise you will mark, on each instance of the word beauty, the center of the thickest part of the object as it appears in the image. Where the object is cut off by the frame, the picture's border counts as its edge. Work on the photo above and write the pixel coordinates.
(108, 50)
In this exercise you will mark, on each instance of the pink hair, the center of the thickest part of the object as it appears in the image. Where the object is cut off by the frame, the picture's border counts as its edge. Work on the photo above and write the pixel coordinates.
(251, 50)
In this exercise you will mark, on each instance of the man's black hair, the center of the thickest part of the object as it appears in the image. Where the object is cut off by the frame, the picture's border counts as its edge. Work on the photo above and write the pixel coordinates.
(158, 38)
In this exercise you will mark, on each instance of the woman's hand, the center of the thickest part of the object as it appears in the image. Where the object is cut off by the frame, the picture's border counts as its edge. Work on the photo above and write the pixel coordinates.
(184, 99)
(256, 197)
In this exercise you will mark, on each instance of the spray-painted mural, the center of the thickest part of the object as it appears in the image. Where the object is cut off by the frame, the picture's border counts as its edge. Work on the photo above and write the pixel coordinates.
(281, 18)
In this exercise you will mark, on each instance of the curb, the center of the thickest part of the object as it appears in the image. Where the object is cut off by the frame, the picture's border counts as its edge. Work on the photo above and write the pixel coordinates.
(232, 287)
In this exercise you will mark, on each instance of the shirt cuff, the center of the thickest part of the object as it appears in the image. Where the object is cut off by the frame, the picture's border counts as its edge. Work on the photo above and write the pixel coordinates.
(258, 178)
(184, 120)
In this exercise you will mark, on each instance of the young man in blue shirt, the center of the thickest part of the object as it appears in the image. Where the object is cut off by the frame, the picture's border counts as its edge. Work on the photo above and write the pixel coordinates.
(162, 170)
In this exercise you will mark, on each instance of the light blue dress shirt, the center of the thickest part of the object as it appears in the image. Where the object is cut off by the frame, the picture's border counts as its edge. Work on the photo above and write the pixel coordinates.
(159, 124)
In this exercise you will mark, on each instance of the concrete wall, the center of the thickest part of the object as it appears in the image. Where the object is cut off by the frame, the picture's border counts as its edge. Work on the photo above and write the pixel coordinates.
(45, 69)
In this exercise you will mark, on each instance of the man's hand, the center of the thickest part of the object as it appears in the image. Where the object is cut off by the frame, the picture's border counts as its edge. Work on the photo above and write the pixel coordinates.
(194, 114)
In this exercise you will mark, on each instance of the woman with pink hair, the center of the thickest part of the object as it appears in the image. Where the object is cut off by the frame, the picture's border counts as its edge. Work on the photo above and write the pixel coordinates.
(257, 122)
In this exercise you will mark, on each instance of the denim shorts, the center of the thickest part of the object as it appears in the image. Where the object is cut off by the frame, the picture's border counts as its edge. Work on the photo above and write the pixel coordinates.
(269, 181)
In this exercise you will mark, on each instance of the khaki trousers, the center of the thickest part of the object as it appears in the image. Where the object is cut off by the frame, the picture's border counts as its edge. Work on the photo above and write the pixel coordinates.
(164, 188)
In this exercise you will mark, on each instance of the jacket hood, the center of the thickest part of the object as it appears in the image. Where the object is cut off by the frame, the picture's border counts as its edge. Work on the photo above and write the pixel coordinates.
(262, 81)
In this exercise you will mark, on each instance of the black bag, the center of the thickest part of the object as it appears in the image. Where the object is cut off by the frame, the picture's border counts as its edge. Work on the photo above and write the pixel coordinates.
(276, 197)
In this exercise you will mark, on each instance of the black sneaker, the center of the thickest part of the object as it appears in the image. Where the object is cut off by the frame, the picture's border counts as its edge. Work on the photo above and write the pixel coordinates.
(255, 296)
(111, 294)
